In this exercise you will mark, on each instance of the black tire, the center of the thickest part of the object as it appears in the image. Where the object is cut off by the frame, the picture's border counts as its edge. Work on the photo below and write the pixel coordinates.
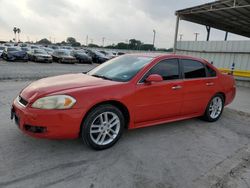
(91, 117)
(207, 115)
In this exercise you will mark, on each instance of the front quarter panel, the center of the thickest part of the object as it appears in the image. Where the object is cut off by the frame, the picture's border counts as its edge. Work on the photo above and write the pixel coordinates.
(87, 98)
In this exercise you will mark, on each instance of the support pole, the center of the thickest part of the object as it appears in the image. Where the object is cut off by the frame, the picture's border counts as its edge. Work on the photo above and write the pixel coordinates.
(208, 32)
(176, 32)
(226, 35)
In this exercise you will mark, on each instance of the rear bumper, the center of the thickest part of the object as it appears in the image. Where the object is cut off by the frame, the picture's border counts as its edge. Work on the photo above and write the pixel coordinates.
(58, 124)
(69, 61)
(230, 95)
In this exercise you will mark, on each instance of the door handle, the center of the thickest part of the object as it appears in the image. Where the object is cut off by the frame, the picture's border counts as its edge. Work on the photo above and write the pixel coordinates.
(176, 87)
(209, 84)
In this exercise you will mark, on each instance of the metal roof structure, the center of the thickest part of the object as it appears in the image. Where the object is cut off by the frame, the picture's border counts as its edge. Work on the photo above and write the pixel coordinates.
(227, 15)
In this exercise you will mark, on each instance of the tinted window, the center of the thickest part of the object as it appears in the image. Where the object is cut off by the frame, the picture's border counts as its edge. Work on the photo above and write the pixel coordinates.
(122, 69)
(211, 72)
(193, 69)
(168, 69)
(40, 52)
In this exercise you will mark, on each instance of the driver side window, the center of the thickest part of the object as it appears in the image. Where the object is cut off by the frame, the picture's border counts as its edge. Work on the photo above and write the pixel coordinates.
(168, 69)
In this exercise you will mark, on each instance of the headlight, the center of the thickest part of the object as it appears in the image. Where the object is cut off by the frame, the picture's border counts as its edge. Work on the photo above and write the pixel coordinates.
(54, 102)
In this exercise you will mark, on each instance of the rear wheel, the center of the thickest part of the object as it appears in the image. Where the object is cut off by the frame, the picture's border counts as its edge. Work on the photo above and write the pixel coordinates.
(214, 109)
(103, 127)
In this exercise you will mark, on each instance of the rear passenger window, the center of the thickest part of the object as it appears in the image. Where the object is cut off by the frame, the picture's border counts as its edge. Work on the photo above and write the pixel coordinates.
(211, 72)
(193, 69)
(168, 69)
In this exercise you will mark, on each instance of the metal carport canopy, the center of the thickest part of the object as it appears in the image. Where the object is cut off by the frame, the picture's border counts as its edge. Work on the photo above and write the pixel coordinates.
(227, 15)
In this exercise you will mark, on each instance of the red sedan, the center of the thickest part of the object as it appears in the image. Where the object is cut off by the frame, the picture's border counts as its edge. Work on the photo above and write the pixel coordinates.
(130, 91)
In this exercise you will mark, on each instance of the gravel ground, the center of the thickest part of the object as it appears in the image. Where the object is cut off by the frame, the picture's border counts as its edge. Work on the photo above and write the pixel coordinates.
(188, 154)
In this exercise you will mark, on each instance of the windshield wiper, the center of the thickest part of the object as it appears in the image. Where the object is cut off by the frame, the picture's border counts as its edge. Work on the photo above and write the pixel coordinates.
(101, 76)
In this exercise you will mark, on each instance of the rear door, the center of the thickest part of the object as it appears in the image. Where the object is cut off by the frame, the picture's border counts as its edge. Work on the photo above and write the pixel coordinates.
(198, 87)
(159, 100)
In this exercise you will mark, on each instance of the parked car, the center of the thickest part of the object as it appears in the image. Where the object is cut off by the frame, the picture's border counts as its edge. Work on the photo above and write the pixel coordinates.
(34, 47)
(96, 56)
(23, 45)
(118, 53)
(25, 49)
(48, 50)
(81, 56)
(1, 50)
(54, 47)
(14, 53)
(63, 56)
(69, 48)
(8, 44)
(109, 55)
(39, 55)
(130, 91)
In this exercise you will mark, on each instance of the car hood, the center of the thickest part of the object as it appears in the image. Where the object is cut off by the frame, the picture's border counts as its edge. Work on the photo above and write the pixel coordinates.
(17, 53)
(67, 57)
(61, 83)
(42, 55)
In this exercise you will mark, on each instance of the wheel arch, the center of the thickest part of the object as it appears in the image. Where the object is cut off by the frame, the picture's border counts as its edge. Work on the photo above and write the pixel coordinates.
(115, 103)
(223, 95)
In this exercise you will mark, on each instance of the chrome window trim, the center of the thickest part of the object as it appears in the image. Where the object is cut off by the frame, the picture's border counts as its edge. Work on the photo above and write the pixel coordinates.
(140, 83)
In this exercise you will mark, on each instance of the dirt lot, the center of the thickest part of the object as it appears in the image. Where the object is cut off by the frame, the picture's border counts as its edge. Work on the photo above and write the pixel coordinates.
(188, 154)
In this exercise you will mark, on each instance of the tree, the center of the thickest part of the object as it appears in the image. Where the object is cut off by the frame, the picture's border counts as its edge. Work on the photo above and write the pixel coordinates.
(44, 41)
(18, 33)
(15, 31)
(71, 40)
(93, 45)
(76, 44)
(147, 47)
(63, 43)
(122, 45)
(135, 44)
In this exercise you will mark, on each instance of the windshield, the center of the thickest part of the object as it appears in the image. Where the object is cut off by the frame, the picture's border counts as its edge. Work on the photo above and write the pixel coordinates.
(48, 50)
(40, 52)
(99, 54)
(13, 49)
(2, 48)
(121, 69)
(62, 53)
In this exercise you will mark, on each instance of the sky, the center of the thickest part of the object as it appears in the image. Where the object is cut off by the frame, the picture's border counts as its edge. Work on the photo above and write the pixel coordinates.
(114, 20)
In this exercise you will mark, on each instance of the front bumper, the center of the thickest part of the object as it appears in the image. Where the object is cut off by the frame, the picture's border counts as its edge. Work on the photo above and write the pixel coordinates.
(18, 58)
(55, 124)
(69, 61)
(44, 59)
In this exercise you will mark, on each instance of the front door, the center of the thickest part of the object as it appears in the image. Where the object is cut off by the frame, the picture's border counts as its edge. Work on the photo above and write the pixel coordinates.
(161, 100)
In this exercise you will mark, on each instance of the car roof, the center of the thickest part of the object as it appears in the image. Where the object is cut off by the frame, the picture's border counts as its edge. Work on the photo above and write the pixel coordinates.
(166, 55)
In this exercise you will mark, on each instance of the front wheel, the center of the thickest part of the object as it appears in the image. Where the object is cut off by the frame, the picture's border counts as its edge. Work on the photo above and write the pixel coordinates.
(103, 127)
(214, 108)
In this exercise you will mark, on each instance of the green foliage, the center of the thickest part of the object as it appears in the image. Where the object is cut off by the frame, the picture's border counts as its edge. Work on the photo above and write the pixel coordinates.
(93, 45)
(44, 41)
(147, 47)
(132, 45)
(76, 44)
(71, 40)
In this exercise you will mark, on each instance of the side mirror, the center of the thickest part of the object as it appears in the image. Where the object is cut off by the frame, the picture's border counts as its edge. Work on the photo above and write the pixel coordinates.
(154, 78)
